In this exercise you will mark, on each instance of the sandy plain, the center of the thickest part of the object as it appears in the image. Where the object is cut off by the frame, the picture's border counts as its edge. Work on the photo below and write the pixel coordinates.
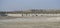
(30, 22)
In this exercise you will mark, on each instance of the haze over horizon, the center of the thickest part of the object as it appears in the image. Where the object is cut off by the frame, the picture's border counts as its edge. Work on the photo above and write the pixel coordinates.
(13, 5)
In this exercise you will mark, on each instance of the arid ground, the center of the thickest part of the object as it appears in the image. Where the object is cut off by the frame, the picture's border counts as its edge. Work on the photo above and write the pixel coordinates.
(30, 22)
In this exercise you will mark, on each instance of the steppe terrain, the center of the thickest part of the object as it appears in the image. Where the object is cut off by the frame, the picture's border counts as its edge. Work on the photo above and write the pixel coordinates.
(30, 22)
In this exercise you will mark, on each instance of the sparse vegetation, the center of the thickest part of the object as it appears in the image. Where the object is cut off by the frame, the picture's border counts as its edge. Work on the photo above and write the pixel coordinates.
(36, 11)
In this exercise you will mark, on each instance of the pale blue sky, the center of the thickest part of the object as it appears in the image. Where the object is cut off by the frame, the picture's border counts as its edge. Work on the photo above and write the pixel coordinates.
(12, 5)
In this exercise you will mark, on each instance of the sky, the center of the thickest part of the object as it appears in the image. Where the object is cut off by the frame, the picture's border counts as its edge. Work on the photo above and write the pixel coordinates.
(13, 5)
